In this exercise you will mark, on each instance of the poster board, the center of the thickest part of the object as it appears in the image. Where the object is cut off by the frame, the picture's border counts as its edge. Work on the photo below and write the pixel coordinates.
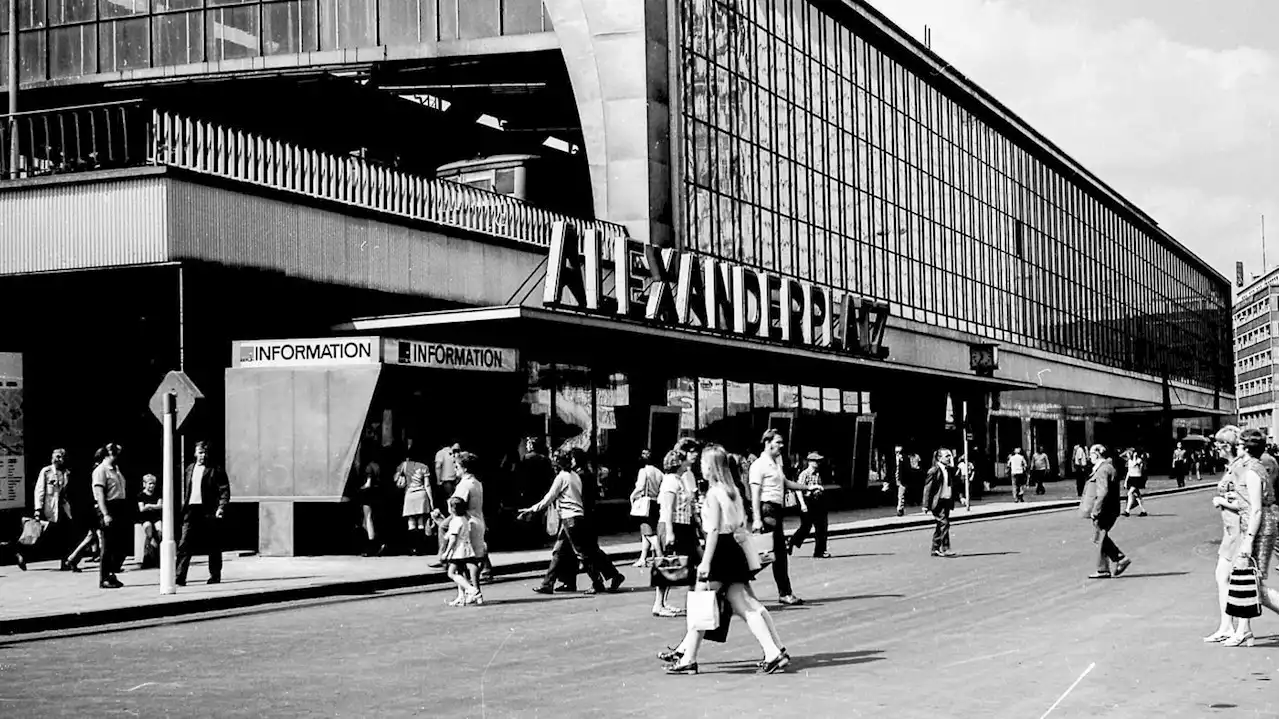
(13, 485)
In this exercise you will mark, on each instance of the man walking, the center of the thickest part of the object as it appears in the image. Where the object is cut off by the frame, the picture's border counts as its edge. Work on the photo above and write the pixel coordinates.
(942, 486)
(1018, 473)
(1080, 465)
(206, 493)
(1101, 504)
(813, 511)
(1039, 469)
(52, 507)
(768, 485)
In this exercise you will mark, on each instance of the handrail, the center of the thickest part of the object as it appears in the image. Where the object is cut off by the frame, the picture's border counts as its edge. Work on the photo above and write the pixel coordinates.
(130, 134)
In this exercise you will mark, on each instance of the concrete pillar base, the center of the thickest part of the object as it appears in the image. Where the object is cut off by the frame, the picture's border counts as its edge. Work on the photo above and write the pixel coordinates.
(276, 529)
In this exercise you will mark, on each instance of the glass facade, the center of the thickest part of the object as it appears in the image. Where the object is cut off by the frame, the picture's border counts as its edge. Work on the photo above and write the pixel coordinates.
(810, 151)
(67, 38)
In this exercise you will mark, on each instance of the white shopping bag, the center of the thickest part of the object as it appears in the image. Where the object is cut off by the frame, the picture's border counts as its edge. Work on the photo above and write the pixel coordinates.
(701, 610)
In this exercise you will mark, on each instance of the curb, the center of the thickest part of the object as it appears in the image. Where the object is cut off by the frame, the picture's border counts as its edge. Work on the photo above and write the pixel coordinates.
(159, 610)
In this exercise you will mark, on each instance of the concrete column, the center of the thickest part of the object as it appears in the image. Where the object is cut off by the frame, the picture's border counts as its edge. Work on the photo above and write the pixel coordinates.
(616, 53)
(276, 533)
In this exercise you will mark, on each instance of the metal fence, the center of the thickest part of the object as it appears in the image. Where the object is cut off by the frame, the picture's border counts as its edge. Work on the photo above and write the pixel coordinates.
(96, 137)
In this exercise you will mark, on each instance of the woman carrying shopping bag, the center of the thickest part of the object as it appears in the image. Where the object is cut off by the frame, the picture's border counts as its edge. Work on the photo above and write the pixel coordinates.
(725, 570)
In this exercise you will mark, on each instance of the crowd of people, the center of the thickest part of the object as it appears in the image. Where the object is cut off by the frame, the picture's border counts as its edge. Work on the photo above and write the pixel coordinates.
(77, 520)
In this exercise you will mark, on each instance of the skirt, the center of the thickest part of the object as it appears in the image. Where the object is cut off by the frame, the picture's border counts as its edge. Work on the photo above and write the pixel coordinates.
(1138, 483)
(415, 503)
(687, 544)
(649, 524)
(1264, 544)
(729, 564)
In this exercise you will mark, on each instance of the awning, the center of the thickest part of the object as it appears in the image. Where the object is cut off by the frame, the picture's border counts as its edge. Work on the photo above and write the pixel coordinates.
(1176, 410)
(592, 340)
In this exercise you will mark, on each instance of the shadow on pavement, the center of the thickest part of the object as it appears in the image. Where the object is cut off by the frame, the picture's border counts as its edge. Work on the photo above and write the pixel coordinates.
(535, 600)
(860, 554)
(1152, 574)
(982, 554)
(852, 597)
(811, 661)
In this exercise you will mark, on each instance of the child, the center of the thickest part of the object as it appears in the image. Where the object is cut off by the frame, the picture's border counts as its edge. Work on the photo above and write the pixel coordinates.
(460, 552)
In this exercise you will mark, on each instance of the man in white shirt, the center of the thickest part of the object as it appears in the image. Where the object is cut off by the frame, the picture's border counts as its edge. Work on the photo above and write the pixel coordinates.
(768, 486)
(206, 493)
(1018, 473)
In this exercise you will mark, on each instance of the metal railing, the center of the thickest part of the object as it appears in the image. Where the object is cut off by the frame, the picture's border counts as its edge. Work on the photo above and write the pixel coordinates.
(94, 137)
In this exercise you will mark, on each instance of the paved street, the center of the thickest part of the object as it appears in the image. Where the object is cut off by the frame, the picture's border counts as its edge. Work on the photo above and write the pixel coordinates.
(1003, 630)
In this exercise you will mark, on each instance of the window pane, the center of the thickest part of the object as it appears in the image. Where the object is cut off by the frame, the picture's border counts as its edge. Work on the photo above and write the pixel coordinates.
(347, 23)
(710, 401)
(30, 14)
(763, 396)
(398, 22)
(573, 409)
(68, 11)
(31, 60)
(232, 32)
(169, 5)
(810, 397)
(478, 18)
(448, 19)
(612, 398)
(788, 396)
(740, 398)
(121, 8)
(680, 394)
(521, 16)
(123, 45)
(73, 51)
(179, 38)
(289, 28)
(830, 399)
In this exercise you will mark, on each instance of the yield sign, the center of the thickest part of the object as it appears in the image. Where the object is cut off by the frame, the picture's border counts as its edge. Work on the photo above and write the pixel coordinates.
(185, 395)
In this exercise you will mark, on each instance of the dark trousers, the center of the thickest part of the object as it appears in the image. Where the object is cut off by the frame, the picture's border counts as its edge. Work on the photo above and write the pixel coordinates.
(771, 515)
(1037, 477)
(1019, 486)
(115, 539)
(1082, 478)
(942, 525)
(576, 540)
(1108, 552)
(199, 530)
(815, 519)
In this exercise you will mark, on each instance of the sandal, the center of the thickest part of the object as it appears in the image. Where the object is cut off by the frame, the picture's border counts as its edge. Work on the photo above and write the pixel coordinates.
(1217, 637)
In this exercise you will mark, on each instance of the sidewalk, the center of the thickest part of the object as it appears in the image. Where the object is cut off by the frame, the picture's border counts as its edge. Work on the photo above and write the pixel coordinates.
(44, 599)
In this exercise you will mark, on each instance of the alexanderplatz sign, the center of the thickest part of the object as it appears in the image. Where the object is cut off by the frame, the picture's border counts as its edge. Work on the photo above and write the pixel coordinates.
(694, 291)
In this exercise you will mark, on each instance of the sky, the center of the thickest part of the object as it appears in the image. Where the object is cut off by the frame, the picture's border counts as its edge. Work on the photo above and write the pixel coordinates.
(1173, 103)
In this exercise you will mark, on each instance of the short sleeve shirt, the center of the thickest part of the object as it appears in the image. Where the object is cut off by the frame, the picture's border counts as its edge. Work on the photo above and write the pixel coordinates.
(1017, 464)
(767, 475)
(111, 481)
(471, 491)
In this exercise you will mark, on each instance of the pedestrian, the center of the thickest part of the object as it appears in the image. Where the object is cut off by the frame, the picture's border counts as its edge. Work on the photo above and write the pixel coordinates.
(813, 510)
(726, 569)
(114, 520)
(900, 467)
(150, 518)
(84, 514)
(677, 498)
(368, 495)
(52, 509)
(1252, 539)
(446, 472)
(1179, 465)
(1039, 469)
(464, 546)
(768, 484)
(1080, 465)
(573, 537)
(206, 492)
(1135, 481)
(1101, 504)
(470, 492)
(644, 506)
(1018, 474)
(943, 485)
(412, 477)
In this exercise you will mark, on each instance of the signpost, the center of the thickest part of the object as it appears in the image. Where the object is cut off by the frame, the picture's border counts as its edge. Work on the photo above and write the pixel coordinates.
(172, 402)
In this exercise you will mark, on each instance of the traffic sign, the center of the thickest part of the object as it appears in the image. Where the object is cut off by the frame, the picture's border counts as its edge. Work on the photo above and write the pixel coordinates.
(185, 395)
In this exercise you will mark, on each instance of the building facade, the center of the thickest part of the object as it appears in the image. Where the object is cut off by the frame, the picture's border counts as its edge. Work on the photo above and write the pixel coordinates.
(1256, 316)
(802, 219)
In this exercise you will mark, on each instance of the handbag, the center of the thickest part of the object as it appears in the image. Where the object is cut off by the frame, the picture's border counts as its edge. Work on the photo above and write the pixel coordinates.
(1242, 591)
(762, 547)
(641, 506)
(702, 614)
(672, 568)
(31, 531)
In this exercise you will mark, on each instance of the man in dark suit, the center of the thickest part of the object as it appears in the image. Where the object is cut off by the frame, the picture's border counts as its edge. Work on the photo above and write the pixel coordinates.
(1101, 503)
(943, 485)
(205, 495)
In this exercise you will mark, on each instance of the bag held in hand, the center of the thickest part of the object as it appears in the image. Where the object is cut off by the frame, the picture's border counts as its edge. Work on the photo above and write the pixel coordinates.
(762, 547)
(671, 569)
(641, 507)
(1242, 591)
(702, 613)
(31, 531)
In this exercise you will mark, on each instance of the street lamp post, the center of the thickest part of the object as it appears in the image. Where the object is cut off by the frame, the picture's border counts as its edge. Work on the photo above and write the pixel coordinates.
(168, 547)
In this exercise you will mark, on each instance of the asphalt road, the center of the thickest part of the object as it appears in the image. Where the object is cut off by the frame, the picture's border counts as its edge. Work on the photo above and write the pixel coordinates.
(1005, 630)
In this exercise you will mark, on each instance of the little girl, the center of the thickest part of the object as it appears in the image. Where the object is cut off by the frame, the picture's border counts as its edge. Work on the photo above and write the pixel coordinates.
(458, 553)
